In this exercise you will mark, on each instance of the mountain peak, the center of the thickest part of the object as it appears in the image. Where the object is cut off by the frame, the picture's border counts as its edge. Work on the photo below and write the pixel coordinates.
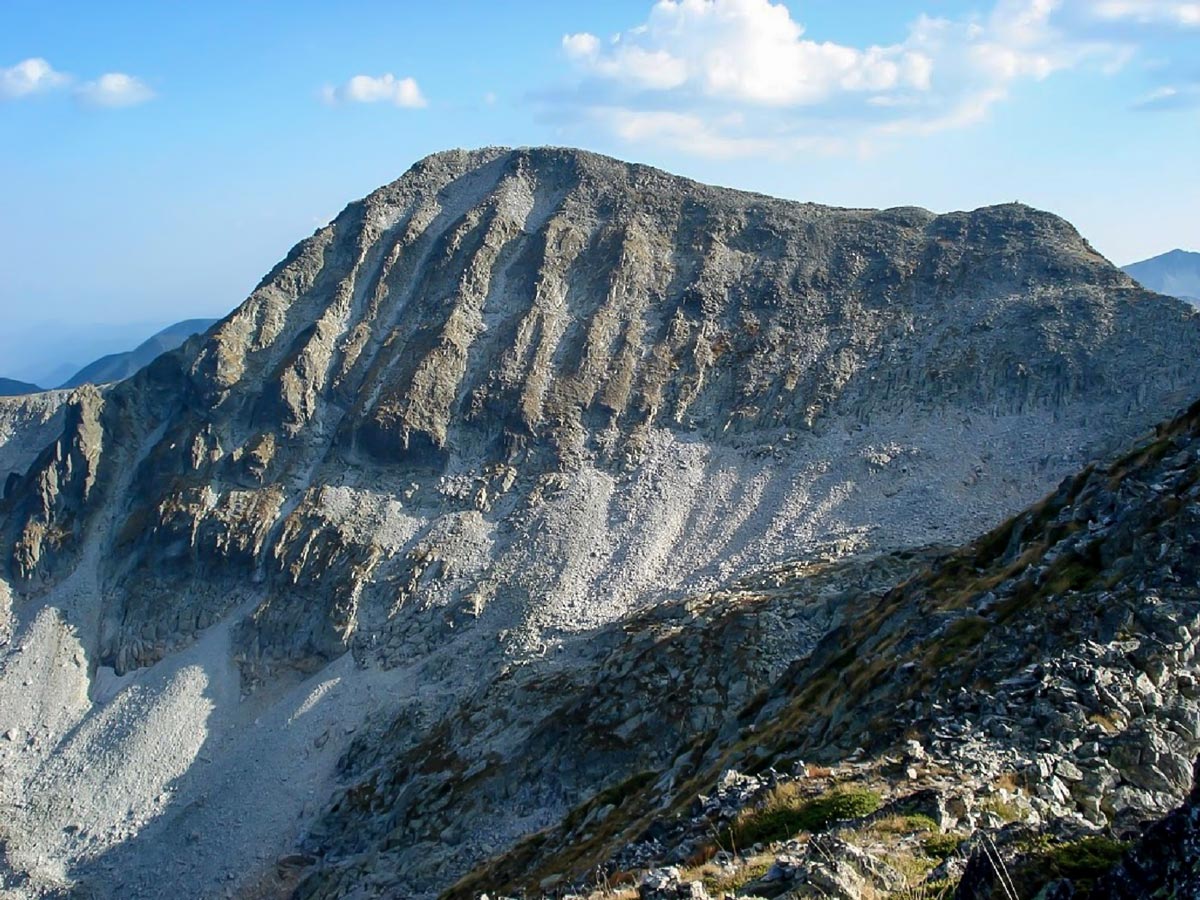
(496, 409)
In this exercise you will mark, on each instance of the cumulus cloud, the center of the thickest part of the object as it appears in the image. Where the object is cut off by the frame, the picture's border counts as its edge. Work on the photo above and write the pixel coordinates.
(37, 76)
(113, 90)
(28, 77)
(742, 50)
(387, 88)
(676, 77)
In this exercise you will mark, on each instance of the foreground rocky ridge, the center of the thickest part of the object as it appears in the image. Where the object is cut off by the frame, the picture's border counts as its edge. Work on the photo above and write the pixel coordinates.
(429, 534)
(1019, 711)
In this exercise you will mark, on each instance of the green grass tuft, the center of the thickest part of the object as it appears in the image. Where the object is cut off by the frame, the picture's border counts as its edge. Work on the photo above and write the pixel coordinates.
(785, 815)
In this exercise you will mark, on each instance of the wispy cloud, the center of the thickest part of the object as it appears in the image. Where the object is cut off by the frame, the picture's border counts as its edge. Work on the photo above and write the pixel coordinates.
(743, 77)
(114, 90)
(387, 88)
(29, 77)
(720, 139)
(1170, 97)
(1148, 12)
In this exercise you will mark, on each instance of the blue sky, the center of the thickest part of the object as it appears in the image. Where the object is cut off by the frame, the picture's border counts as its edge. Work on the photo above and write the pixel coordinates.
(158, 158)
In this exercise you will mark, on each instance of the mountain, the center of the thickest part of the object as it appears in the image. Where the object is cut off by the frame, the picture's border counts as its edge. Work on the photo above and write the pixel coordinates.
(119, 366)
(11, 388)
(521, 479)
(114, 366)
(50, 351)
(1176, 274)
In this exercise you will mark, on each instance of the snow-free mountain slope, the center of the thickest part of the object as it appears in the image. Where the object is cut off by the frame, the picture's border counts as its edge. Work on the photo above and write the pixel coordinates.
(417, 484)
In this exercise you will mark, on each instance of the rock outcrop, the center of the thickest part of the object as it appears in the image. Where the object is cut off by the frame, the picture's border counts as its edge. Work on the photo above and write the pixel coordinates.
(28, 423)
(528, 470)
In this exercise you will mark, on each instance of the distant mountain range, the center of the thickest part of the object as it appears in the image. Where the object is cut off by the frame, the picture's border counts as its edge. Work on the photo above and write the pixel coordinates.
(10, 387)
(1176, 274)
(118, 366)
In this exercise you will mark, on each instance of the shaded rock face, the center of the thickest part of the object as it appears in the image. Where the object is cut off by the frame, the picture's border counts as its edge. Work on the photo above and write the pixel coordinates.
(488, 417)
(1164, 862)
(1033, 695)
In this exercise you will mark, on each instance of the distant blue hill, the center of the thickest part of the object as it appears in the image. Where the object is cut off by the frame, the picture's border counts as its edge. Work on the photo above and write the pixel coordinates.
(1176, 274)
(119, 366)
(10, 387)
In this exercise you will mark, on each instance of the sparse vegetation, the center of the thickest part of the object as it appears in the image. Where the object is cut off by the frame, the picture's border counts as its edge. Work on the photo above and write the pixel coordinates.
(1081, 860)
(941, 846)
(1041, 860)
(718, 881)
(941, 889)
(905, 824)
(784, 814)
(1007, 810)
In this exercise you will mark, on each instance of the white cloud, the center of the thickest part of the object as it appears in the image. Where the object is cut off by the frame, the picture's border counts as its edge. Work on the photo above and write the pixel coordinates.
(741, 50)
(692, 62)
(581, 46)
(1148, 12)
(113, 90)
(386, 88)
(651, 69)
(30, 76)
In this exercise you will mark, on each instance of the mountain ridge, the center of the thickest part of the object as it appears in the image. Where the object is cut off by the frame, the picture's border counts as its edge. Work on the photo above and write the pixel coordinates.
(119, 366)
(116, 366)
(1175, 273)
(10, 387)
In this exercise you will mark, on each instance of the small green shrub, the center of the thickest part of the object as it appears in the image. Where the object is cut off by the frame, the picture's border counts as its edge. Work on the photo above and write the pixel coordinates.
(941, 846)
(1085, 858)
(841, 803)
(785, 815)
(1005, 809)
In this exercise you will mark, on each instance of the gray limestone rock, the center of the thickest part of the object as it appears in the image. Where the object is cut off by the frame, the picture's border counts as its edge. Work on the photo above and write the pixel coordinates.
(531, 475)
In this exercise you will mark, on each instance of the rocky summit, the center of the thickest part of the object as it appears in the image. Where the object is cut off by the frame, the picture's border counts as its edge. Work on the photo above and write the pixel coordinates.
(544, 519)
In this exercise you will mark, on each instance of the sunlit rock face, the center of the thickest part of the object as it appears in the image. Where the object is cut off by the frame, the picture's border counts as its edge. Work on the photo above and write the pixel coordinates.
(489, 411)
(28, 423)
